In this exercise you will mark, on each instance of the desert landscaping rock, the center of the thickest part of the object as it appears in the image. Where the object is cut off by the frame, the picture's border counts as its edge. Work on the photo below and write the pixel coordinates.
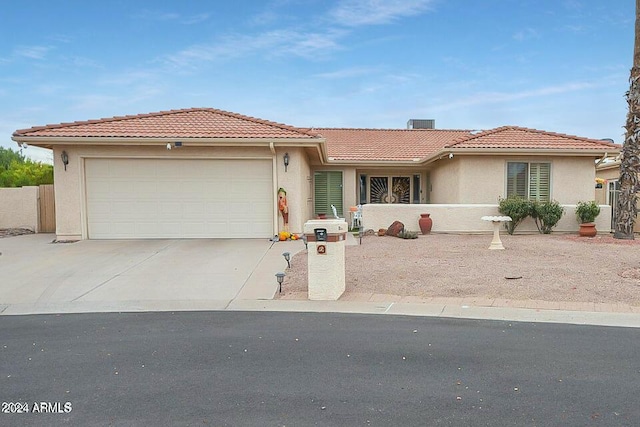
(563, 268)
(395, 228)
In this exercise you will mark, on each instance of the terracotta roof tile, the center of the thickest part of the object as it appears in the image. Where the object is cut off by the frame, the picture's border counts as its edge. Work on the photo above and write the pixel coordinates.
(386, 144)
(187, 123)
(513, 137)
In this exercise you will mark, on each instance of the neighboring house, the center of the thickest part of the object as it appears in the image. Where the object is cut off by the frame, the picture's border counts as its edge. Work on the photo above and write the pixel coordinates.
(116, 177)
(607, 192)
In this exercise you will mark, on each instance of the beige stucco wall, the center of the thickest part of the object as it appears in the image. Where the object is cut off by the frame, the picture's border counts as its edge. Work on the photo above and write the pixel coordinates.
(70, 209)
(444, 181)
(295, 182)
(456, 218)
(19, 208)
(482, 179)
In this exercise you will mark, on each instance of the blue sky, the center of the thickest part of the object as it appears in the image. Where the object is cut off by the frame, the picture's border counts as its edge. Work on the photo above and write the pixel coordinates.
(556, 65)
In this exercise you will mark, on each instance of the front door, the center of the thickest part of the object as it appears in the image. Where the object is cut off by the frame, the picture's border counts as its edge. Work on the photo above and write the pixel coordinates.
(390, 189)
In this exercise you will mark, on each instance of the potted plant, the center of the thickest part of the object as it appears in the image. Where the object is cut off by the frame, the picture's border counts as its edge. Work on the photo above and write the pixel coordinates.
(586, 213)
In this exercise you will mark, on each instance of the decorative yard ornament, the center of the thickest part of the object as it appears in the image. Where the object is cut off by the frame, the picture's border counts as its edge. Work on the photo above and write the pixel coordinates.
(283, 208)
(626, 210)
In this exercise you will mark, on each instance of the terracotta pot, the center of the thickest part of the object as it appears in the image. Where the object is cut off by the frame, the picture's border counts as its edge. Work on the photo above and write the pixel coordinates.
(588, 229)
(322, 216)
(382, 232)
(425, 222)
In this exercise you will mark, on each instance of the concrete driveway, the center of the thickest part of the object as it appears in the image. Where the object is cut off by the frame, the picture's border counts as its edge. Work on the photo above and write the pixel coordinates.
(124, 274)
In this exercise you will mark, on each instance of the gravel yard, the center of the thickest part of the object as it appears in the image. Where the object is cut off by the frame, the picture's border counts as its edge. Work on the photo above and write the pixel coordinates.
(540, 267)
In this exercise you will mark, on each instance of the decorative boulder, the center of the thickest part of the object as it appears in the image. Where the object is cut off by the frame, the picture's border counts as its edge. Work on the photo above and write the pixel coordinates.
(395, 229)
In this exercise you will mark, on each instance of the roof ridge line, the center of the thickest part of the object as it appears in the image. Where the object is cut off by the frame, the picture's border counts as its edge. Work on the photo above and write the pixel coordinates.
(165, 113)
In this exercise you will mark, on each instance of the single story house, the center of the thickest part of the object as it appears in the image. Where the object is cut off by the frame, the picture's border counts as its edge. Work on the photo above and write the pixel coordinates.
(208, 173)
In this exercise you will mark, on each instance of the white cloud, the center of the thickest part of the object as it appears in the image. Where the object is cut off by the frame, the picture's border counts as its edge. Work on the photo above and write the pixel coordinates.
(195, 19)
(345, 73)
(483, 98)
(32, 52)
(355, 13)
(308, 45)
(151, 15)
(526, 34)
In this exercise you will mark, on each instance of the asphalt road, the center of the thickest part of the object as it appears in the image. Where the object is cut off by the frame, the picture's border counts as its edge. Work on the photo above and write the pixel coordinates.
(297, 369)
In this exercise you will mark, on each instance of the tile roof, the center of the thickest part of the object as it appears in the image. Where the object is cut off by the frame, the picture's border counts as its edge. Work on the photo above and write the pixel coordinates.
(386, 144)
(187, 123)
(514, 137)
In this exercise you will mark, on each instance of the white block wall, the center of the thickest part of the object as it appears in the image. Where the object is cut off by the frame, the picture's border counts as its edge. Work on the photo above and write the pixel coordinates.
(455, 218)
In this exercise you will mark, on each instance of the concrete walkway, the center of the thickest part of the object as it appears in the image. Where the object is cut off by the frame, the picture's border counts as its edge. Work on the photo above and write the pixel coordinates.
(50, 286)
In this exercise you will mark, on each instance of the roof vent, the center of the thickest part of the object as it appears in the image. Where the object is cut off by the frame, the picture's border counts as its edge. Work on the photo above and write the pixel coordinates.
(421, 124)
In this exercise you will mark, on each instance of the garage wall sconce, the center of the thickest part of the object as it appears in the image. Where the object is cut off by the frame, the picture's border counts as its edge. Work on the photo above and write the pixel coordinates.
(280, 278)
(286, 161)
(65, 159)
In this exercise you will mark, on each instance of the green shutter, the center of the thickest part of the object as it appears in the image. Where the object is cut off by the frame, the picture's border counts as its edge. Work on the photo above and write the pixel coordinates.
(321, 193)
(327, 192)
(540, 181)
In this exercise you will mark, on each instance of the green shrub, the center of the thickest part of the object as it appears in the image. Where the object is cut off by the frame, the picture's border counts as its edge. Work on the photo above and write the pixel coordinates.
(405, 234)
(515, 207)
(587, 211)
(546, 215)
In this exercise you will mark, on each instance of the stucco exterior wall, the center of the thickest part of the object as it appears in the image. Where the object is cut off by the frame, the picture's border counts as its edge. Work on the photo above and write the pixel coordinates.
(295, 182)
(573, 179)
(455, 218)
(19, 208)
(444, 181)
(482, 179)
(70, 209)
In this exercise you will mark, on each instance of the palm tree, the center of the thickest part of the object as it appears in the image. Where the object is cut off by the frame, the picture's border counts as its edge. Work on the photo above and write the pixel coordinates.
(627, 202)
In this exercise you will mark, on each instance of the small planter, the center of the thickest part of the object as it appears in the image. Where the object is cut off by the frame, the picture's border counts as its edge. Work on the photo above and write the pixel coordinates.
(382, 232)
(588, 229)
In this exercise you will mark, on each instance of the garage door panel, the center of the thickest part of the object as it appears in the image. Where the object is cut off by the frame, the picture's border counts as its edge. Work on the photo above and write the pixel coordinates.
(153, 198)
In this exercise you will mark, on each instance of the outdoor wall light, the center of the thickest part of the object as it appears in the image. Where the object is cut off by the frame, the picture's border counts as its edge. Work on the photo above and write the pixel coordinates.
(65, 159)
(280, 278)
(287, 257)
(286, 161)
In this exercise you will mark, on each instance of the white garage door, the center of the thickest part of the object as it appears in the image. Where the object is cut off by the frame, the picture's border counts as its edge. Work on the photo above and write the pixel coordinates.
(153, 198)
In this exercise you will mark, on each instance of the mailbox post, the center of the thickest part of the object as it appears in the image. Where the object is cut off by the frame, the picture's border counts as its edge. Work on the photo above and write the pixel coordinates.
(326, 259)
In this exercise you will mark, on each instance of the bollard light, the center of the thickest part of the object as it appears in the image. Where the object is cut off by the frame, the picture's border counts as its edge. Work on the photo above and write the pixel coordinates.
(304, 240)
(360, 233)
(280, 278)
(287, 257)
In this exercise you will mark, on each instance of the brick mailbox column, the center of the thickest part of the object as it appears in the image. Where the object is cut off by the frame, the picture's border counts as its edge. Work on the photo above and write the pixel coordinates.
(326, 259)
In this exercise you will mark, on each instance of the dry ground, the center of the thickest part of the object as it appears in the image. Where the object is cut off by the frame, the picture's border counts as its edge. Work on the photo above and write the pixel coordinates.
(563, 268)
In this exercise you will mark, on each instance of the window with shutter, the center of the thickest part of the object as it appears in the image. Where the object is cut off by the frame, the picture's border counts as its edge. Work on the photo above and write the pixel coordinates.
(529, 180)
(327, 192)
(540, 181)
